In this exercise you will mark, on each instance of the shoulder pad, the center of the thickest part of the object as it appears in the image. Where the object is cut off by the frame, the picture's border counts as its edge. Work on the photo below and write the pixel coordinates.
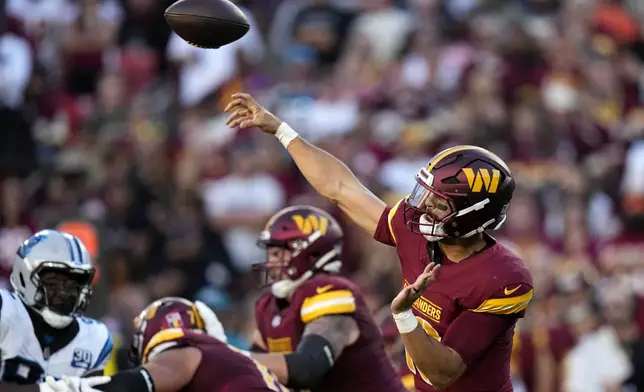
(8, 302)
(263, 300)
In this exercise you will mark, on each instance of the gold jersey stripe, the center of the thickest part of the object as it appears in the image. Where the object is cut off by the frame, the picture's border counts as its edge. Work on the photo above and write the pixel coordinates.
(162, 336)
(506, 305)
(329, 310)
(280, 345)
(332, 302)
(390, 218)
(408, 382)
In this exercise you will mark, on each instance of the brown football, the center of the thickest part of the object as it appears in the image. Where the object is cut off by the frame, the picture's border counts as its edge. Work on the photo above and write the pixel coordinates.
(207, 23)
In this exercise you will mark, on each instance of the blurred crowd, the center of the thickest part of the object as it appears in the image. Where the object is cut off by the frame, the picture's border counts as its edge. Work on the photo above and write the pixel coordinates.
(113, 130)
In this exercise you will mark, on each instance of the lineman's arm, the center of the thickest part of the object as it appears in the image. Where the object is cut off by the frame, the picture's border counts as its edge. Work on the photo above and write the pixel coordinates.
(9, 387)
(258, 343)
(323, 341)
(168, 371)
(329, 176)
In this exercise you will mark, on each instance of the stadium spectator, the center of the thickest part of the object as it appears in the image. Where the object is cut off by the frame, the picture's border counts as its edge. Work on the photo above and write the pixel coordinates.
(109, 117)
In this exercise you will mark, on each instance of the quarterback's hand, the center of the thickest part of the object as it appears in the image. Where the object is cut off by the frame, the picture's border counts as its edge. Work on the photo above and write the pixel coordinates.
(407, 296)
(211, 322)
(245, 112)
(73, 384)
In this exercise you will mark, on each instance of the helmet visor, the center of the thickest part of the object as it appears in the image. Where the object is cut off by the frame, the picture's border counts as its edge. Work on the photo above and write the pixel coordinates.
(427, 200)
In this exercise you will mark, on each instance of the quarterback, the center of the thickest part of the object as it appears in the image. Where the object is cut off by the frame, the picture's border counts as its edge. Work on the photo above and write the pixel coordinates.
(463, 291)
(42, 332)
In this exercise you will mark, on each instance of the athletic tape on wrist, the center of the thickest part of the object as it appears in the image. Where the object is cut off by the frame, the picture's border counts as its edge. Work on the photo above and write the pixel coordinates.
(405, 321)
(285, 134)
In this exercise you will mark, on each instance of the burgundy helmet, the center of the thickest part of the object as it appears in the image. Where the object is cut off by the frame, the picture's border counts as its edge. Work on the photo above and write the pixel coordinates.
(300, 242)
(165, 313)
(463, 191)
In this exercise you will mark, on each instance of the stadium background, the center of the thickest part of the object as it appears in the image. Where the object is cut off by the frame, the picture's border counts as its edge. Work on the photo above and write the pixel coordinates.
(112, 128)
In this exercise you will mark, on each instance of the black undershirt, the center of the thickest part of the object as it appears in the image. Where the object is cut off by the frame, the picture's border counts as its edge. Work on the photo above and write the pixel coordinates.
(51, 339)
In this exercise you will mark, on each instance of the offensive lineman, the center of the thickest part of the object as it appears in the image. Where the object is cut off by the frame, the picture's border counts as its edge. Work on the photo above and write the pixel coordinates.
(464, 288)
(314, 325)
(42, 330)
(175, 353)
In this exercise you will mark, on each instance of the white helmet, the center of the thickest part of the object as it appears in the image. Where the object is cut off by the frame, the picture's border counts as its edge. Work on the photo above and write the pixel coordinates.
(52, 274)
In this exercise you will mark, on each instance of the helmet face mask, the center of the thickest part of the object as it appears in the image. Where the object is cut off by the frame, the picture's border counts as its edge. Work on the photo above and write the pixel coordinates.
(62, 290)
(276, 267)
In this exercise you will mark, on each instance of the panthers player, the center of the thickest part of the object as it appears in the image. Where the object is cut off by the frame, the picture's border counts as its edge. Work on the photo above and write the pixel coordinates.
(467, 289)
(42, 331)
(313, 324)
(175, 354)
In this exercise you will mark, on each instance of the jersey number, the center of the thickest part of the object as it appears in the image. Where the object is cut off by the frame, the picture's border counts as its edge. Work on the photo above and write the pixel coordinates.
(429, 330)
(269, 378)
(21, 371)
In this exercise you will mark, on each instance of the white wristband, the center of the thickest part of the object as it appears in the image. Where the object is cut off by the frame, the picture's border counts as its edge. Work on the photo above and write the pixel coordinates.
(285, 134)
(405, 321)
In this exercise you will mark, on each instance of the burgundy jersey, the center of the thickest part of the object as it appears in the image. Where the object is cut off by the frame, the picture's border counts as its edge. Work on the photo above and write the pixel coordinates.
(492, 282)
(406, 377)
(222, 369)
(363, 366)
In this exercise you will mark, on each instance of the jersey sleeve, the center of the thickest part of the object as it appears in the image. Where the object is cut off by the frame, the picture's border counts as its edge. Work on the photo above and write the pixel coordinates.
(7, 313)
(326, 299)
(388, 224)
(513, 299)
(162, 341)
(106, 352)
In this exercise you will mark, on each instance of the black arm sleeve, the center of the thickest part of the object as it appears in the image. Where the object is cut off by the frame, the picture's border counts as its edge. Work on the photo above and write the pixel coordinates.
(308, 365)
(256, 349)
(134, 380)
(93, 373)
(7, 387)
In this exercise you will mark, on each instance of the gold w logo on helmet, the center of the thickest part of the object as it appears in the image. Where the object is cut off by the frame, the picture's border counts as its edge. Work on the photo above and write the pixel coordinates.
(311, 223)
(482, 179)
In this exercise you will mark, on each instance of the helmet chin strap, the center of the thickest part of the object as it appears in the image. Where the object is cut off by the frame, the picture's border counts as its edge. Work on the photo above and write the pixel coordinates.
(429, 229)
(284, 288)
(55, 320)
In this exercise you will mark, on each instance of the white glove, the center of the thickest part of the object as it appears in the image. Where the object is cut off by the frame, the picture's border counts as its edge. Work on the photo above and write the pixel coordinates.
(73, 384)
(211, 322)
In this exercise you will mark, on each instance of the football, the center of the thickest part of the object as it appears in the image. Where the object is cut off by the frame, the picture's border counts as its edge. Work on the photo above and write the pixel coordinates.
(207, 23)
